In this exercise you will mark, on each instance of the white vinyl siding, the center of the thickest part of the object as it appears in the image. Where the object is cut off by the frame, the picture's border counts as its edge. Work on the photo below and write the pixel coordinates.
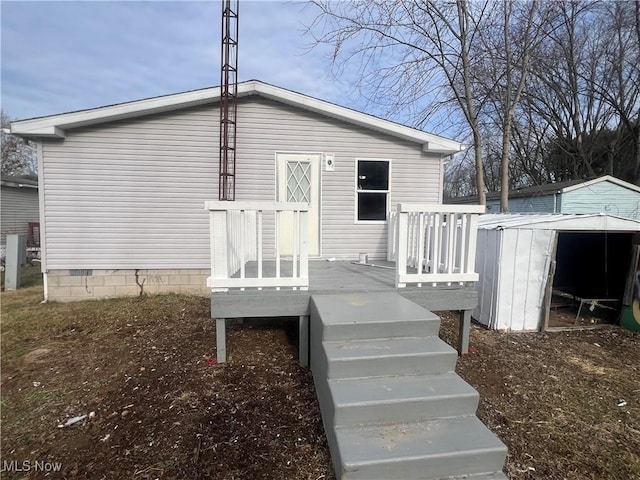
(131, 194)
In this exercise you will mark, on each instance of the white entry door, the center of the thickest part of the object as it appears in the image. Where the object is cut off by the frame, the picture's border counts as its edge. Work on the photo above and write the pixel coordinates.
(299, 181)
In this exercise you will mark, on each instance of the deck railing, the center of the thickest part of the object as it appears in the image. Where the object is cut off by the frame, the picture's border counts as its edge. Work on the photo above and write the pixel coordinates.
(244, 232)
(434, 243)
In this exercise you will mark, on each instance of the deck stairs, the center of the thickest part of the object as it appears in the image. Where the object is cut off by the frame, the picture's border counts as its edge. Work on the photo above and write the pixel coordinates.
(392, 405)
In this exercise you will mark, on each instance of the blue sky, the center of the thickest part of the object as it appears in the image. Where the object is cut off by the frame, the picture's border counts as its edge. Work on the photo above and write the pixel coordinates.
(65, 56)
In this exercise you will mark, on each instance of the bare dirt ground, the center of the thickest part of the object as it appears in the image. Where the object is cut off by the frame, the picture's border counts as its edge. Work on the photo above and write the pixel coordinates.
(163, 408)
(567, 404)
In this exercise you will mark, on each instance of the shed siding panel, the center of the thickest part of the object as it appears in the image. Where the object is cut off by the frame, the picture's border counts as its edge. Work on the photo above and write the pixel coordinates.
(130, 194)
(541, 204)
(487, 265)
(603, 197)
(19, 206)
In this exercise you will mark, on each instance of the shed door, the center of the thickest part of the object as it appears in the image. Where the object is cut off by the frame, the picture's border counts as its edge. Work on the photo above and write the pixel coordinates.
(299, 181)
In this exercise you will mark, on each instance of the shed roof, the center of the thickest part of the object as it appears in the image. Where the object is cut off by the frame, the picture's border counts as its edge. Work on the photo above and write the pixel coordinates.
(548, 189)
(558, 221)
(54, 126)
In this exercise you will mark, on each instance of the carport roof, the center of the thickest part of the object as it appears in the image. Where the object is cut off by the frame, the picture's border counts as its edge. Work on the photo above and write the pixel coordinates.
(558, 221)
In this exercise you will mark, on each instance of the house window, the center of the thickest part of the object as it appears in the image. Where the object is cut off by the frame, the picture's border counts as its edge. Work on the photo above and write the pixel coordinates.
(372, 190)
(299, 182)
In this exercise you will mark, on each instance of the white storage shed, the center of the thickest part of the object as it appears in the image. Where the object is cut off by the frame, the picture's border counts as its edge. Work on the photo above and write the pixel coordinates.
(522, 258)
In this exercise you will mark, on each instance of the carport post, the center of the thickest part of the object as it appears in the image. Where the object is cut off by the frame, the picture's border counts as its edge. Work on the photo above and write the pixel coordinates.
(221, 340)
(303, 340)
(463, 333)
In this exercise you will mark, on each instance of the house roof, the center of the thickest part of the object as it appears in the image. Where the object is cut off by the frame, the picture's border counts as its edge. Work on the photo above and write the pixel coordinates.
(30, 181)
(54, 126)
(557, 221)
(548, 189)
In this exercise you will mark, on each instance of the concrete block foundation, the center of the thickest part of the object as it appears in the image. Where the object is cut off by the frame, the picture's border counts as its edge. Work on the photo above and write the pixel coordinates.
(74, 285)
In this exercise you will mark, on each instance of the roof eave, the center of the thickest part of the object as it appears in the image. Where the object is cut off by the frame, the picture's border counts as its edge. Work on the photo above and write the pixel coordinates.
(54, 126)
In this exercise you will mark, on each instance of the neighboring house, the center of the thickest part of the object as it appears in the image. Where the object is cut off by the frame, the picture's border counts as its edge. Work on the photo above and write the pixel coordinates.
(605, 194)
(124, 185)
(526, 260)
(19, 207)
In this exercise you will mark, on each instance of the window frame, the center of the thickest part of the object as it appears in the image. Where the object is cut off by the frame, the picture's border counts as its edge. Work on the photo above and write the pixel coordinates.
(387, 192)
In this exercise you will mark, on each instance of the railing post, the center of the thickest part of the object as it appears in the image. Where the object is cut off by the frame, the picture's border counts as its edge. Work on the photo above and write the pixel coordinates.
(259, 246)
(401, 246)
(421, 233)
(391, 236)
(473, 238)
(304, 248)
(219, 247)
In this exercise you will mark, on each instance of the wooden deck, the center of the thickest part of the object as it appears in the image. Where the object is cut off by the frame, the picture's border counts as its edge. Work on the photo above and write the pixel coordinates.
(340, 277)
(330, 278)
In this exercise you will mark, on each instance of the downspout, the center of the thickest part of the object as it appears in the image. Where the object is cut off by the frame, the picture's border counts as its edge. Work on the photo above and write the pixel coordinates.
(443, 164)
(43, 240)
(555, 202)
(45, 283)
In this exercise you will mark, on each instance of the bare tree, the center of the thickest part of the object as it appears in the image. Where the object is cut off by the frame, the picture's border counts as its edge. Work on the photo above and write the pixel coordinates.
(18, 157)
(412, 55)
(509, 40)
(563, 91)
(619, 82)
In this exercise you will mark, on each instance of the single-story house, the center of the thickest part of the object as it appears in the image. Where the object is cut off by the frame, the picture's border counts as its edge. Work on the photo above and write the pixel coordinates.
(605, 194)
(19, 206)
(123, 186)
(526, 260)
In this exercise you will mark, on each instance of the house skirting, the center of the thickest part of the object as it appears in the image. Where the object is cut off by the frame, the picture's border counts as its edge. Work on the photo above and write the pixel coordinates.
(74, 285)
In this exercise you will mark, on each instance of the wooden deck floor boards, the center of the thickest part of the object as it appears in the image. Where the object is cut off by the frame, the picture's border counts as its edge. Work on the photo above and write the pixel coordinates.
(330, 278)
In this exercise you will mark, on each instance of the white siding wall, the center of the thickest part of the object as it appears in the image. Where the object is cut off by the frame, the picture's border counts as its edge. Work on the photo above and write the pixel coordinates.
(130, 194)
(19, 206)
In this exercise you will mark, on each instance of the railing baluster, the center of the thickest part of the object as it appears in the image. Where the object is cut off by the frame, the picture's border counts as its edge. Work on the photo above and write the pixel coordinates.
(451, 227)
(429, 241)
(463, 242)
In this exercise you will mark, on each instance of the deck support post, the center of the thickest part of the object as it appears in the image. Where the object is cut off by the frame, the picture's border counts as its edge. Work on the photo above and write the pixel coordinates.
(303, 340)
(463, 333)
(221, 340)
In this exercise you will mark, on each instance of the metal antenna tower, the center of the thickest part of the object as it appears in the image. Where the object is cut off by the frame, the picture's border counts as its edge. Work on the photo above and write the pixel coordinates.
(228, 100)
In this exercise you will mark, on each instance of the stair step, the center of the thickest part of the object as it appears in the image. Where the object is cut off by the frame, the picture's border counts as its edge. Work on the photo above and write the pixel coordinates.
(388, 356)
(366, 401)
(373, 315)
(432, 449)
